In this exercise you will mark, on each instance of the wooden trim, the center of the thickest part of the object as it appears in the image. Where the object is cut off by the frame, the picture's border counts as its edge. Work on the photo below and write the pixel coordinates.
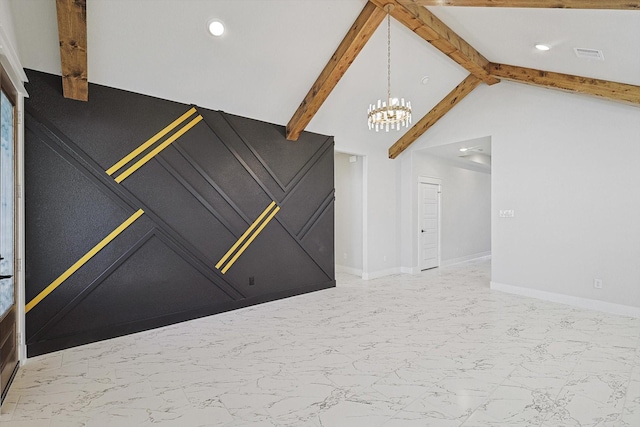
(621, 92)
(426, 25)
(72, 32)
(358, 35)
(560, 4)
(436, 113)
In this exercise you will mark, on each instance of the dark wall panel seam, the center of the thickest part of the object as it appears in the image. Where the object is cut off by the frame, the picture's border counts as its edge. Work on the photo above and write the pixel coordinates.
(72, 155)
(192, 255)
(92, 286)
(310, 164)
(178, 177)
(327, 209)
(316, 215)
(326, 149)
(241, 160)
(299, 243)
(282, 186)
(206, 272)
(211, 182)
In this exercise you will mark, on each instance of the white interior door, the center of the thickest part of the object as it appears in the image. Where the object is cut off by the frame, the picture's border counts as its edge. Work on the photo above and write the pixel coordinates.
(429, 211)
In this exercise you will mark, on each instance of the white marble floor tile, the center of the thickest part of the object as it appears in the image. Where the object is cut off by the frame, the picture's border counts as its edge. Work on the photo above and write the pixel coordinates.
(434, 349)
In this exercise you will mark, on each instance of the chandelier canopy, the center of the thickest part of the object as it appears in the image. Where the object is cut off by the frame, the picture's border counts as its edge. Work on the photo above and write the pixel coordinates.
(392, 113)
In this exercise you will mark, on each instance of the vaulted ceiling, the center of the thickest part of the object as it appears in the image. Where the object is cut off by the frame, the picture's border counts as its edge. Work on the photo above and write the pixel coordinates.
(274, 51)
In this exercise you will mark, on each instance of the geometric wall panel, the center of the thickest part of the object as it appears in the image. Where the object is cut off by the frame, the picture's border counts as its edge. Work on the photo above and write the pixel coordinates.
(142, 212)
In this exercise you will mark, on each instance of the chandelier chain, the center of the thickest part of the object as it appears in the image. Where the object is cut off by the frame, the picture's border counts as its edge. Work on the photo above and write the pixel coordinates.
(388, 56)
(390, 113)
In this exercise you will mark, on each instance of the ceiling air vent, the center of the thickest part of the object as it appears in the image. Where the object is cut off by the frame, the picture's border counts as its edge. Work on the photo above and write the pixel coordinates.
(584, 53)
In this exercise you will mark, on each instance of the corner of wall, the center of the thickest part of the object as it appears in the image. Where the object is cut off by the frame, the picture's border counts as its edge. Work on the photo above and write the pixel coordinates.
(590, 304)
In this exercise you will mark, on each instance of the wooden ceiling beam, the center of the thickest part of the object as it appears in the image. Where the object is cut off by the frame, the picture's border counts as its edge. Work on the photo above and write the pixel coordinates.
(72, 32)
(426, 25)
(436, 113)
(621, 92)
(358, 35)
(550, 4)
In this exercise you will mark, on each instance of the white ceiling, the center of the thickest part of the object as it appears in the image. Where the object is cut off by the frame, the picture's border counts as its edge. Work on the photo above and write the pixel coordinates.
(273, 51)
(507, 36)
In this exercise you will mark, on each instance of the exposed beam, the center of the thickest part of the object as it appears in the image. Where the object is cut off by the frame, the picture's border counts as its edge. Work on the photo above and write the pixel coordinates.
(551, 4)
(436, 113)
(358, 35)
(426, 25)
(72, 32)
(629, 94)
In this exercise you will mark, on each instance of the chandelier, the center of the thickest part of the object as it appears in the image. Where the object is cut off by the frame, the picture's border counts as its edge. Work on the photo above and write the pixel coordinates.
(392, 113)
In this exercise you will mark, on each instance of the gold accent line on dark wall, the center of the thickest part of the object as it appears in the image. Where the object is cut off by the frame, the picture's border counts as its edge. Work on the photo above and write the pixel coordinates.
(126, 159)
(97, 248)
(244, 235)
(253, 236)
(137, 165)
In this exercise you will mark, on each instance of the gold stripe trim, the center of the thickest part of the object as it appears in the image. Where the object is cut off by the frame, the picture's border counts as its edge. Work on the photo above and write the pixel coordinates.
(244, 236)
(97, 248)
(137, 165)
(253, 236)
(126, 159)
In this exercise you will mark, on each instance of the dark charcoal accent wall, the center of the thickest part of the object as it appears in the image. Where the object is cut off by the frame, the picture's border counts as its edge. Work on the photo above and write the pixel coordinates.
(199, 195)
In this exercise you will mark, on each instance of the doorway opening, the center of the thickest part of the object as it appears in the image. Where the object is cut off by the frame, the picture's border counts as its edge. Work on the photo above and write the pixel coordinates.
(350, 218)
(456, 224)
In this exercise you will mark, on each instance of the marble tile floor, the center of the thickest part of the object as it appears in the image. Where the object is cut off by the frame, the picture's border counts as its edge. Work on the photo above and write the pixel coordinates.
(435, 349)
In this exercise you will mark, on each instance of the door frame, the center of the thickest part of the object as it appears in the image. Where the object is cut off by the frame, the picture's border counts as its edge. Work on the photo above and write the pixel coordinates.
(17, 77)
(9, 91)
(417, 225)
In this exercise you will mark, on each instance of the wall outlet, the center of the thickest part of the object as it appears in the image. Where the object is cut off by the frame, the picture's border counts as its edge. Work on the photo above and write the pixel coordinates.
(597, 283)
(507, 213)
(345, 255)
(252, 281)
(384, 258)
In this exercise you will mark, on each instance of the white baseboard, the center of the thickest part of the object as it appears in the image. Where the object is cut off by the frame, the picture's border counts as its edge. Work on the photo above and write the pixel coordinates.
(607, 307)
(446, 263)
(381, 273)
(471, 257)
(348, 270)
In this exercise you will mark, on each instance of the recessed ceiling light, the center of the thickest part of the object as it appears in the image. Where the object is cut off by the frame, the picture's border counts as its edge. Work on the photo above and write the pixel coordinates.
(463, 149)
(542, 47)
(216, 28)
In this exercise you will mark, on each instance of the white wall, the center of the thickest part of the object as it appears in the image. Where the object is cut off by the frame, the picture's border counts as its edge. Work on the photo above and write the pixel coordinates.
(6, 22)
(348, 213)
(465, 210)
(568, 165)
(9, 47)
